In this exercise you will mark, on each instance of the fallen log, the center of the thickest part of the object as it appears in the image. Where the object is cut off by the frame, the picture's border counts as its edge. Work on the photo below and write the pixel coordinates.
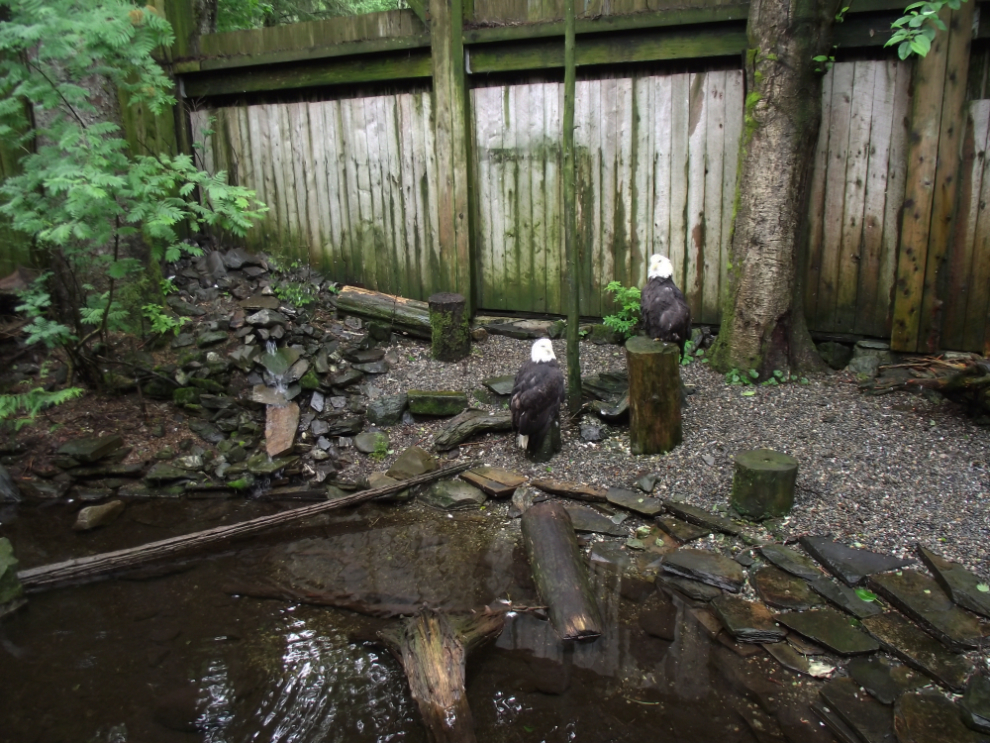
(405, 315)
(469, 423)
(559, 572)
(47, 576)
(433, 648)
(575, 490)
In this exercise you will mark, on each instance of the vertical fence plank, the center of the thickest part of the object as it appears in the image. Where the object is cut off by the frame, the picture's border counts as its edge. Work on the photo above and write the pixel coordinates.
(816, 204)
(697, 164)
(624, 205)
(584, 152)
(337, 190)
(321, 203)
(553, 200)
(679, 121)
(662, 121)
(609, 171)
(977, 325)
(599, 279)
(864, 318)
(714, 185)
(734, 93)
(642, 164)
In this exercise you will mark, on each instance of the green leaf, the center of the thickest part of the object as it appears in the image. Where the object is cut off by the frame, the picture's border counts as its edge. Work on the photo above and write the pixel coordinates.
(865, 595)
(749, 393)
(983, 588)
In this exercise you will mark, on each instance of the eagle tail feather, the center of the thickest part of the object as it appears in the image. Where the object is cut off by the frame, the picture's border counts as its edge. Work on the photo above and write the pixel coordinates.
(522, 441)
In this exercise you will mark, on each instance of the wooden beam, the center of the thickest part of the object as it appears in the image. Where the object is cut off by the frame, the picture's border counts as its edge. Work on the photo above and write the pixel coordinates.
(451, 127)
(570, 219)
(925, 124)
(397, 66)
(421, 9)
(945, 206)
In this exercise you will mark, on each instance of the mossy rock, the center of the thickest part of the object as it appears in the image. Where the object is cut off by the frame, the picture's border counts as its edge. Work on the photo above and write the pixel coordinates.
(423, 402)
(310, 381)
(10, 586)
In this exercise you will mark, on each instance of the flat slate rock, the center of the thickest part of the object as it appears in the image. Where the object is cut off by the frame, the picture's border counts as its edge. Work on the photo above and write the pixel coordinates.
(928, 717)
(682, 531)
(845, 598)
(412, 462)
(850, 565)
(788, 657)
(611, 553)
(586, 520)
(871, 720)
(576, 490)
(439, 403)
(885, 681)
(975, 704)
(783, 591)
(958, 582)
(918, 649)
(91, 449)
(707, 567)
(636, 502)
(829, 628)
(260, 302)
(842, 732)
(793, 562)
(500, 385)
(453, 495)
(747, 621)
(701, 517)
(497, 482)
(922, 599)
(694, 590)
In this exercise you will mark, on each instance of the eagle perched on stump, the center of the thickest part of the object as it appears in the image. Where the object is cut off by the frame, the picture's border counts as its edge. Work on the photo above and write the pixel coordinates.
(665, 312)
(537, 394)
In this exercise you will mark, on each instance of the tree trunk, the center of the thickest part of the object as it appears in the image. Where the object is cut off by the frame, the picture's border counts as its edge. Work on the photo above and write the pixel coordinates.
(763, 326)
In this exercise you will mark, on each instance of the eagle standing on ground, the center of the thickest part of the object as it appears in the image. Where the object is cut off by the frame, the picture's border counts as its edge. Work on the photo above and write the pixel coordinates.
(665, 312)
(537, 394)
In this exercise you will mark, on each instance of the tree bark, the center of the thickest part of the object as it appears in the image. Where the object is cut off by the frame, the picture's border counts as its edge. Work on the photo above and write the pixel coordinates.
(763, 326)
(405, 315)
(451, 335)
(654, 395)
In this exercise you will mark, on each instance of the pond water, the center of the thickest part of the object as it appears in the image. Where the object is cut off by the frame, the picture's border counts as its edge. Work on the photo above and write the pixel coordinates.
(234, 646)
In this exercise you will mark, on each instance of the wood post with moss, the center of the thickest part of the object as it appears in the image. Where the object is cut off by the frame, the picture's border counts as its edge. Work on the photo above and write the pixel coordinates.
(763, 484)
(450, 332)
(654, 395)
(559, 572)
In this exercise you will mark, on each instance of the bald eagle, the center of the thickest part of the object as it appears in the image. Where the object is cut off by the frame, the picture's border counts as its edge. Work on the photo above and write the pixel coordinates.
(537, 394)
(665, 312)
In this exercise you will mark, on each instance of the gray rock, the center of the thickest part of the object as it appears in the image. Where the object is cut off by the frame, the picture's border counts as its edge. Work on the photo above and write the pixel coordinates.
(92, 449)
(261, 394)
(782, 590)
(682, 531)
(844, 597)
(587, 520)
(884, 680)
(297, 371)
(386, 411)
(701, 517)
(919, 649)
(317, 402)
(867, 365)
(958, 582)
(206, 431)
(211, 338)
(368, 442)
(239, 257)
(266, 319)
(319, 427)
(453, 495)
(523, 498)
(791, 561)
(836, 355)
(975, 704)
(592, 432)
(183, 340)
(184, 308)
(647, 482)
(746, 621)
(870, 719)
(8, 490)
(162, 473)
(829, 628)
(706, 567)
(848, 564)
(262, 464)
(92, 517)
(412, 462)
(500, 385)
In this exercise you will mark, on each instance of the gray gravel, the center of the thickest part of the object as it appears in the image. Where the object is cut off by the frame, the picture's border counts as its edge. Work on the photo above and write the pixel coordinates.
(880, 472)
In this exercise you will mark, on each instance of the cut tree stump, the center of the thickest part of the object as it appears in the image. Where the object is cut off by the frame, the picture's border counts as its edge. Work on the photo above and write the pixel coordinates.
(433, 648)
(405, 315)
(763, 483)
(82, 568)
(654, 395)
(450, 332)
(559, 572)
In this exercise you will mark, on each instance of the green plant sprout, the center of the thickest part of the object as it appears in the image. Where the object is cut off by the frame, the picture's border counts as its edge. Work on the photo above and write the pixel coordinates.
(624, 321)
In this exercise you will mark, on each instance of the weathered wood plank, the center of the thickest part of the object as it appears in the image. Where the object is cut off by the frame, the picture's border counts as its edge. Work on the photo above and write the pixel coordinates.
(557, 285)
(643, 148)
(714, 185)
(679, 132)
(662, 117)
(625, 209)
(339, 192)
(734, 95)
(835, 182)
(865, 318)
(977, 322)
(854, 193)
(896, 184)
(321, 205)
(926, 119)
(591, 295)
(607, 205)
(947, 174)
(697, 162)
(816, 206)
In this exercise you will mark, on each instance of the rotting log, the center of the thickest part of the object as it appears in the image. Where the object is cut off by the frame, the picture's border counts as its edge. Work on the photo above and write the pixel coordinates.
(559, 572)
(654, 395)
(763, 483)
(451, 335)
(470, 423)
(47, 576)
(405, 315)
(433, 648)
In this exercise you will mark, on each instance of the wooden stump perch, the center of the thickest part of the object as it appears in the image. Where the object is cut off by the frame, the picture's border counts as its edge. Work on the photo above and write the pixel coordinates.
(763, 484)
(433, 648)
(654, 395)
(450, 334)
(559, 572)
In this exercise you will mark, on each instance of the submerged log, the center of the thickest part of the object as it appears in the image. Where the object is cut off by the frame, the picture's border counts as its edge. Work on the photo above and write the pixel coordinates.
(451, 334)
(559, 572)
(48, 576)
(405, 315)
(654, 395)
(433, 648)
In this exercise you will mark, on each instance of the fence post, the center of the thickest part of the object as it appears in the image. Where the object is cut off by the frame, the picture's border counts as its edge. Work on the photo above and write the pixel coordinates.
(450, 112)
(934, 153)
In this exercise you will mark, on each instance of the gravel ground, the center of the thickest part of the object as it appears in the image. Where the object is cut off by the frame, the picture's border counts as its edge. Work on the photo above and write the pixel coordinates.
(881, 472)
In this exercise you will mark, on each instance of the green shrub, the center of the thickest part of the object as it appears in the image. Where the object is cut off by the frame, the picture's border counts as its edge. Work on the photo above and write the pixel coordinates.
(624, 321)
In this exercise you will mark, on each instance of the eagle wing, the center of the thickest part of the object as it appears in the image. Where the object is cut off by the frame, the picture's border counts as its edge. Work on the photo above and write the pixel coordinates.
(665, 312)
(537, 393)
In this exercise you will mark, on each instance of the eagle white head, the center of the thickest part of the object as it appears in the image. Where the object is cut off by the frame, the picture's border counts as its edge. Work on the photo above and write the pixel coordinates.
(660, 267)
(542, 351)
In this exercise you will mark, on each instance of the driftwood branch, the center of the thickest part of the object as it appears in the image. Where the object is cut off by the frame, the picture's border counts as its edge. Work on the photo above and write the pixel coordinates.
(83, 568)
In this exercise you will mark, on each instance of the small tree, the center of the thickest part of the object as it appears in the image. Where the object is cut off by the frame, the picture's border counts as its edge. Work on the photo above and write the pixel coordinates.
(88, 203)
